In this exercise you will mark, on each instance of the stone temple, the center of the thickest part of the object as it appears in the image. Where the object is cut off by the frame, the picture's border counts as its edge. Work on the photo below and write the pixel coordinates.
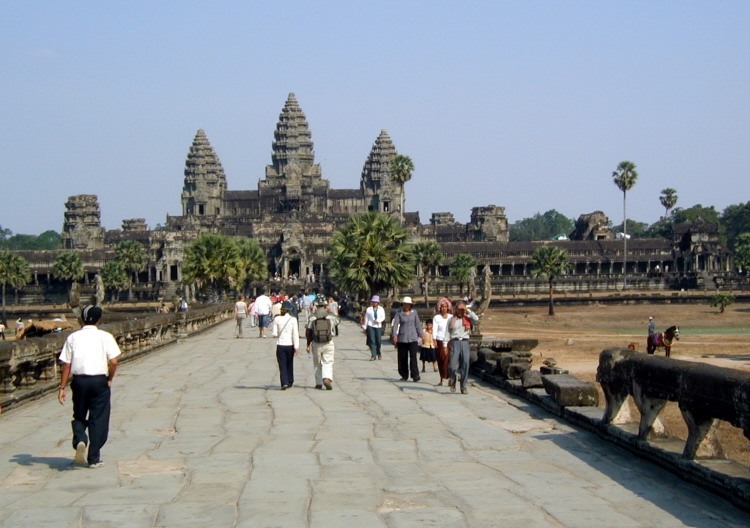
(294, 212)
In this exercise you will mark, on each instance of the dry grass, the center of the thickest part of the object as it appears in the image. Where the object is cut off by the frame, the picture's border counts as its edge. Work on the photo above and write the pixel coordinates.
(577, 334)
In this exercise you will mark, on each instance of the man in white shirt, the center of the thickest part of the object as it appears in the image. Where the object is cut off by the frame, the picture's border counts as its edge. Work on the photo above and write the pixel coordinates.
(263, 307)
(90, 355)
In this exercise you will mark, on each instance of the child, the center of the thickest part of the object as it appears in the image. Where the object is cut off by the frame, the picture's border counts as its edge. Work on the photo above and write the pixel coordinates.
(427, 350)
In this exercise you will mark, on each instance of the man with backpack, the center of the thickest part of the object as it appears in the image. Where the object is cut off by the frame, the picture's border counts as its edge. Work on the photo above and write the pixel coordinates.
(319, 334)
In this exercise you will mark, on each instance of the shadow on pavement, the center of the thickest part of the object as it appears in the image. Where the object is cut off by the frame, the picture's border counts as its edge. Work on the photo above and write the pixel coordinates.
(58, 463)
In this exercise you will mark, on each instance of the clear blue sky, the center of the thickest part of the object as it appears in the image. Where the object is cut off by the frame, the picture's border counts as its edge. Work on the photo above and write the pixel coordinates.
(524, 104)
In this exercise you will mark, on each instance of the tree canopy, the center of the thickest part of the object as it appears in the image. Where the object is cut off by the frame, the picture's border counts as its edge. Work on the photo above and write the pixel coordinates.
(540, 227)
(47, 240)
(14, 272)
(461, 268)
(371, 254)
(550, 262)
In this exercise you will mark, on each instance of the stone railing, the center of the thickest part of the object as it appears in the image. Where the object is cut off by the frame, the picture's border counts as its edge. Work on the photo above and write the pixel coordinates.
(705, 393)
(28, 368)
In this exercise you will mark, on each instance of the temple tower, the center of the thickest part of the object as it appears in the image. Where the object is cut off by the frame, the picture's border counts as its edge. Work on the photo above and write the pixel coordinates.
(381, 192)
(489, 224)
(82, 227)
(205, 182)
(293, 180)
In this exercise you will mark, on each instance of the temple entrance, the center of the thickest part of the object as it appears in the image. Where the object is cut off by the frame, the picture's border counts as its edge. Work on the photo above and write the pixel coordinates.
(294, 266)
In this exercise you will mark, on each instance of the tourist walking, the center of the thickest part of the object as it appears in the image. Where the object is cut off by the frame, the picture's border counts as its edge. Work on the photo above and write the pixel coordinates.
(457, 334)
(319, 334)
(406, 333)
(427, 349)
(240, 314)
(439, 326)
(333, 309)
(2, 331)
(651, 326)
(90, 355)
(286, 329)
(253, 315)
(263, 307)
(372, 323)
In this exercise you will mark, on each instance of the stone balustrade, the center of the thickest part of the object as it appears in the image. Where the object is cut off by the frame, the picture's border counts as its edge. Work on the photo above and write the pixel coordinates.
(705, 393)
(28, 368)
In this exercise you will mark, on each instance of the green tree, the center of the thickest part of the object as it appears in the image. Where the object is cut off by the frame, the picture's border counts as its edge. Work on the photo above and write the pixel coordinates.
(735, 220)
(461, 268)
(668, 199)
(636, 229)
(68, 267)
(540, 227)
(722, 300)
(4, 235)
(14, 272)
(212, 262)
(114, 277)
(132, 257)
(428, 255)
(47, 240)
(370, 254)
(253, 265)
(624, 178)
(696, 213)
(742, 252)
(549, 263)
(401, 170)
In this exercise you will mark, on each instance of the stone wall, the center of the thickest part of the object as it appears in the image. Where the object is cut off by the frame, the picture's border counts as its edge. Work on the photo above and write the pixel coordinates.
(29, 368)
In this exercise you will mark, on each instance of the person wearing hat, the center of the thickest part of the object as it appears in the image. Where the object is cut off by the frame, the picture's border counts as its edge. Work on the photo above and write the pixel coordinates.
(651, 326)
(458, 333)
(90, 355)
(406, 333)
(319, 334)
(372, 323)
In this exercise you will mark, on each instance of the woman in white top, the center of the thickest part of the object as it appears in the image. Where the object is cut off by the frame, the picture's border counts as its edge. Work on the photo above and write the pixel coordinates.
(286, 329)
(240, 314)
(439, 325)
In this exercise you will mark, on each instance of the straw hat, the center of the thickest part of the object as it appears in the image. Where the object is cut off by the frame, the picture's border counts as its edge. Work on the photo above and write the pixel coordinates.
(406, 300)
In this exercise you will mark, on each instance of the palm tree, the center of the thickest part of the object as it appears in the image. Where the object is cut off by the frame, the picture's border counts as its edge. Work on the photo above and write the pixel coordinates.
(668, 199)
(550, 262)
(212, 261)
(401, 169)
(461, 268)
(132, 257)
(14, 271)
(252, 261)
(370, 255)
(625, 177)
(68, 267)
(428, 255)
(114, 277)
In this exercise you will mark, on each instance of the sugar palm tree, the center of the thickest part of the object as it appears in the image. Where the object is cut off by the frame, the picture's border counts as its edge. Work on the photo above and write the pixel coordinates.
(68, 267)
(252, 261)
(114, 277)
(14, 271)
(549, 262)
(461, 269)
(371, 255)
(132, 257)
(624, 178)
(428, 255)
(668, 199)
(212, 261)
(401, 169)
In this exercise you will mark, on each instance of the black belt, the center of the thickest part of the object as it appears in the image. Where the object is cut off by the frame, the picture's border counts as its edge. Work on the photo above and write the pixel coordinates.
(88, 375)
(459, 339)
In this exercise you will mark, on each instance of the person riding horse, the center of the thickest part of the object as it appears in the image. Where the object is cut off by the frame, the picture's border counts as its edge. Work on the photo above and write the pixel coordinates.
(663, 339)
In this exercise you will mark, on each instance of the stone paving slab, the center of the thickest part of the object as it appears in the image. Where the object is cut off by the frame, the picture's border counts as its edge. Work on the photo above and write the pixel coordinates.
(202, 436)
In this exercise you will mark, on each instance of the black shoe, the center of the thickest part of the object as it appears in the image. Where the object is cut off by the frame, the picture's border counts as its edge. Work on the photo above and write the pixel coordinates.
(404, 379)
(452, 383)
(327, 384)
(319, 387)
(416, 379)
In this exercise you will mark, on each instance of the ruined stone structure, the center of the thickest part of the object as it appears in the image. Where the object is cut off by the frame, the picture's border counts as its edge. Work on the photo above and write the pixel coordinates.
(294, 212)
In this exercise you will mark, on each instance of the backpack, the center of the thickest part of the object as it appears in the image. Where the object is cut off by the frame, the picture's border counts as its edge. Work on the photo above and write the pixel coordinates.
(321, 330)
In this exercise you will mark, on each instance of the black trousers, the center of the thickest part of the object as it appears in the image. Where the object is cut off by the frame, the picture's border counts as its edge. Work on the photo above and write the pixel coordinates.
(407, 359)
(91, 409)
(285, 358)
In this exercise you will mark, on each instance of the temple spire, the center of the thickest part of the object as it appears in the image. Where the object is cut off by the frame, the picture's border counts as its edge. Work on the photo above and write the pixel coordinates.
(381, 192)
(205, 181)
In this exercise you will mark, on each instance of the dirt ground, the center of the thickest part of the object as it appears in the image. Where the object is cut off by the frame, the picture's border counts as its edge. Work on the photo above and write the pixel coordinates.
(576, 335)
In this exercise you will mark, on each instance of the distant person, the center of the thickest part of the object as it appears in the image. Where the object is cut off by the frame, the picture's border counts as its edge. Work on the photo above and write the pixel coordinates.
(651, 326)
(2, 331)
(333, 309)
(286, 329)
(19, 326)
(372, 323)
(457, 334)
(439, 326)
(240, 315)
(90, 355)
(183, 305)
(263, 308)
(405, 334)
(319, 334)
(253, 315)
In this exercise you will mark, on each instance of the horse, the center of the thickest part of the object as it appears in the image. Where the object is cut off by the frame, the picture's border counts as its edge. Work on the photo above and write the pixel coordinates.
(662, 339)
